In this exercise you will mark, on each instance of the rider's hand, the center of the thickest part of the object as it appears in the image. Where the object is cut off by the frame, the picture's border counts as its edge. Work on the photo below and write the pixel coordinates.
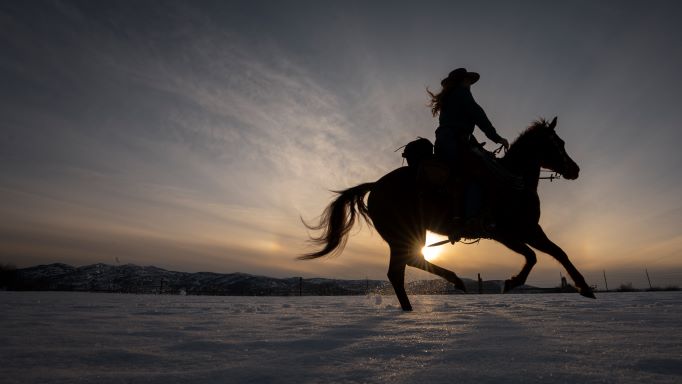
(504, 143)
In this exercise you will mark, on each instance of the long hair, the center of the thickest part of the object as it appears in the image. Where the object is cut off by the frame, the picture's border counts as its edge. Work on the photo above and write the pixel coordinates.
(436, 102)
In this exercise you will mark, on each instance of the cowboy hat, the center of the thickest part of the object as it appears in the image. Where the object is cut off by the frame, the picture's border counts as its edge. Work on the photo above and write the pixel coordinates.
(460, 74)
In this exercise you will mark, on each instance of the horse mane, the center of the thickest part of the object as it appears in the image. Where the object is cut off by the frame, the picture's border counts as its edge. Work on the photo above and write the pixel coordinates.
(529, 132)
(528, 136)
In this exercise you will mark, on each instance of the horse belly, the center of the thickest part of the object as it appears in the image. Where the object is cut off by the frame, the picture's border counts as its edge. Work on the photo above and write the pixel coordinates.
(399, 209)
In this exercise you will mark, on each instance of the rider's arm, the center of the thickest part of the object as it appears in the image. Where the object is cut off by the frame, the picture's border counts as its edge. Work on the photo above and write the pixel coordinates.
(482, 121)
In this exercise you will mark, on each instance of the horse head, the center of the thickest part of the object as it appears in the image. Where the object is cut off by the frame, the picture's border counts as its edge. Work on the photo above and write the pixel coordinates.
(551, 151)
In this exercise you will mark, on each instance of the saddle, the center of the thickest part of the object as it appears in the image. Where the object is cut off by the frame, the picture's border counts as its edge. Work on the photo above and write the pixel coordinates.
(432, 172)
(440, 181)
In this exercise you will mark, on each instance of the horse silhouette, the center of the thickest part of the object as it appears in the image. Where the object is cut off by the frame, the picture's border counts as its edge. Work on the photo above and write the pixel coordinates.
(402, 212)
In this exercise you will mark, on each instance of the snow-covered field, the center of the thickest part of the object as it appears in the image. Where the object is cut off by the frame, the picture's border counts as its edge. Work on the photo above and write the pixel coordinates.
(56, 337)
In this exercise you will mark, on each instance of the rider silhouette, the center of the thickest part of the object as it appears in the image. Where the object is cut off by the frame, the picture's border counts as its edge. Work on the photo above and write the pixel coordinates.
(458, 113)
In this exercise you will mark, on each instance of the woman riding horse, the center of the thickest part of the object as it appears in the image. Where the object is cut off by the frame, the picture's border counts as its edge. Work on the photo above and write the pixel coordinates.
(477, 176)
(402, 211)
(401, 214)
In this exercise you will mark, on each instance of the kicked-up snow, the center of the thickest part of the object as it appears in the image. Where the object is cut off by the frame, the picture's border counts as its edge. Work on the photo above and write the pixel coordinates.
(56, 337)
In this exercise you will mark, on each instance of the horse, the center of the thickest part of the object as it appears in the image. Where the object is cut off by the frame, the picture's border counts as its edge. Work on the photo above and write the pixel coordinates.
(402, 212)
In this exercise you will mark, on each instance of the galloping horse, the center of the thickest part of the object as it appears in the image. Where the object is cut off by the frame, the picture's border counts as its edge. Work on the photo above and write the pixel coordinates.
(402, 213)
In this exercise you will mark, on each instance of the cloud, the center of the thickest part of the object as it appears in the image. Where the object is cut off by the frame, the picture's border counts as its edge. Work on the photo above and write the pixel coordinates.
(180, 130)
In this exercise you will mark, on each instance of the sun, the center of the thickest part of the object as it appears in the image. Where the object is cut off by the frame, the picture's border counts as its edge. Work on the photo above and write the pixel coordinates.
(432, 253)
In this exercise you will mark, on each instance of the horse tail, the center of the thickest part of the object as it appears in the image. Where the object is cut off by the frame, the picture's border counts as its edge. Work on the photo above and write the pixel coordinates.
(338, 219)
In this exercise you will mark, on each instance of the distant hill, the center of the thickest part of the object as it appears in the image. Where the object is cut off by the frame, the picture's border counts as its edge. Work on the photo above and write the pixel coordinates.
(131, 278)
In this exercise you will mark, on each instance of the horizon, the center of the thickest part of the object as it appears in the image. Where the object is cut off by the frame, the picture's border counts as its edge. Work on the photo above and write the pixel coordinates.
(188, 137)
(617, 282)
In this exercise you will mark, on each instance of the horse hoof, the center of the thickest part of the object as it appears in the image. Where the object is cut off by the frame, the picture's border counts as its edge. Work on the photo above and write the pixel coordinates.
(407, 309)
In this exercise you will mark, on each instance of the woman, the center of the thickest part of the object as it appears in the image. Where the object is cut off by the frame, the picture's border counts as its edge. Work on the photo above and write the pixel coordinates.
(458, 113)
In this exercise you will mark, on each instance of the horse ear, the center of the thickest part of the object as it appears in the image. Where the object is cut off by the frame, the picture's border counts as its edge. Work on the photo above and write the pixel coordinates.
(552, 125)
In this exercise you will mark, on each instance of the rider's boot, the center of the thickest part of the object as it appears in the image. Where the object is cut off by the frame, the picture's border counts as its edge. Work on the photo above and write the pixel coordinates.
(457, 230)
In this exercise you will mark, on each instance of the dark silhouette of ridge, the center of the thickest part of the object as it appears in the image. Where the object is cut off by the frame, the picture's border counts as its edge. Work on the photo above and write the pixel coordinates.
(130, 278)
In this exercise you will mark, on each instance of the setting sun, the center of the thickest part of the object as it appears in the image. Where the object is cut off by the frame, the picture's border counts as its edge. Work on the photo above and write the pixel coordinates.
(432, 253)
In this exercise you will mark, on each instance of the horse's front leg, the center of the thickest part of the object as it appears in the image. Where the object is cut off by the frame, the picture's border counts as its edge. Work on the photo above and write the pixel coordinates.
(521, 277)
(542, 243)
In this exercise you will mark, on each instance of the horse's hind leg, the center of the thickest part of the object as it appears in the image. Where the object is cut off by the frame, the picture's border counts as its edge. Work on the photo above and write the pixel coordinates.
(541, 242)
(419, 262)
(521, 277)
(396, 275)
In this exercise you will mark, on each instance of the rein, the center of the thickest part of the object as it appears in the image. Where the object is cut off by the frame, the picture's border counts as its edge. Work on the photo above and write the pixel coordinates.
(552, 175)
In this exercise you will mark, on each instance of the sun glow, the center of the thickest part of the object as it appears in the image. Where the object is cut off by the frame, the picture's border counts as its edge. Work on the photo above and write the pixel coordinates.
(432, 253)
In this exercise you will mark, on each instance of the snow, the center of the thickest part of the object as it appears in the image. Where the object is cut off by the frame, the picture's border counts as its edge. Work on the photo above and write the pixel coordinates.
(58, 337)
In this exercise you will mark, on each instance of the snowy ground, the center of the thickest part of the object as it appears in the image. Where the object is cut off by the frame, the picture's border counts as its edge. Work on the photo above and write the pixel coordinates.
(53, 337)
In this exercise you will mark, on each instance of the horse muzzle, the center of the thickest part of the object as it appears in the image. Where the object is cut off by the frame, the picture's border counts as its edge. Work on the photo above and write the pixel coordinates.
(572, 172)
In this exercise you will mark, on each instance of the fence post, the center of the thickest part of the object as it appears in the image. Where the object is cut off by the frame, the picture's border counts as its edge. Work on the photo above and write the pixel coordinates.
(647, 277)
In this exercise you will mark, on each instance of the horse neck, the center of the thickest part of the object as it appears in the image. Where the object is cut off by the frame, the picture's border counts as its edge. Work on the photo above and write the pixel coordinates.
(521, 162)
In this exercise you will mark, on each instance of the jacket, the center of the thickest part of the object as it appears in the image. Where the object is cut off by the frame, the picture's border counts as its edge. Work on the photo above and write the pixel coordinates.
(460, 112)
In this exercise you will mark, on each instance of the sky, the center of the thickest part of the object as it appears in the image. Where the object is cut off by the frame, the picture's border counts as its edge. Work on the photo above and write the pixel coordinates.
(195, 135)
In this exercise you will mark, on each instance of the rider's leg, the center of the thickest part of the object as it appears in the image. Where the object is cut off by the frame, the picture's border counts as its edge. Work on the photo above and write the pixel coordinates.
(465, 203)
(472, 199)
(477, 201)
(458, 211)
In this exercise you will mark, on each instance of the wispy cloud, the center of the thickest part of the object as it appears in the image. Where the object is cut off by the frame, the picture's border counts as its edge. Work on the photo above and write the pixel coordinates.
(178, 130)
